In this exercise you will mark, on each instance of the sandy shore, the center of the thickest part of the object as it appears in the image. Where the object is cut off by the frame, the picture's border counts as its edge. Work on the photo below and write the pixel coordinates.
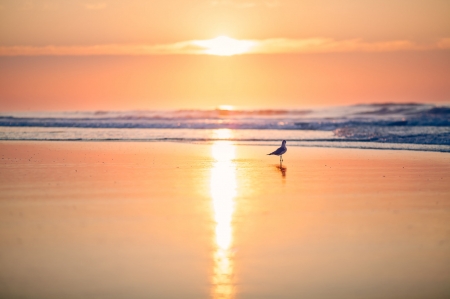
(174, 220)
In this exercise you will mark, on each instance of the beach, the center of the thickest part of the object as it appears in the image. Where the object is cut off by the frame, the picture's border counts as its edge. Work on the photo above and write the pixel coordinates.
(135, 139)
(220, 220)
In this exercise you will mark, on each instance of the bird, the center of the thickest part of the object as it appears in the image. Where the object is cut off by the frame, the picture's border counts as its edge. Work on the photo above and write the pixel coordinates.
(280, 151)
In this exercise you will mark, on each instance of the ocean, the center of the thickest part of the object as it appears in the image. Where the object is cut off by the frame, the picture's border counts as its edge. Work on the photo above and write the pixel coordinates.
(379, 126)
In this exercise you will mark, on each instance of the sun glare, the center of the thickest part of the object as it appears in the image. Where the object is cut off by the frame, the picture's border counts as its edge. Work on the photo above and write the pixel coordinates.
(225, 46)
(222, 134)
(223, 193)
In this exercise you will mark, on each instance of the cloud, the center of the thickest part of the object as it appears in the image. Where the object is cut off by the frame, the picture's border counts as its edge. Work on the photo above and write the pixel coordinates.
(202, 47)
(95, 6)
(110, 49)
(327, 45)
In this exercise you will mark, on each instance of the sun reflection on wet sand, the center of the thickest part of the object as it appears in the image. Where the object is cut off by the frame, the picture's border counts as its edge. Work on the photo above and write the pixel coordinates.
(223, 192)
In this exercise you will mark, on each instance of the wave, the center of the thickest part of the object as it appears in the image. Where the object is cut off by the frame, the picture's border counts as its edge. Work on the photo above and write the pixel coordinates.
(411, 123)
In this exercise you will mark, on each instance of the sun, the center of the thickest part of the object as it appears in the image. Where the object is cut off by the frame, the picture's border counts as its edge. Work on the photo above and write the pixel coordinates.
(225, 46)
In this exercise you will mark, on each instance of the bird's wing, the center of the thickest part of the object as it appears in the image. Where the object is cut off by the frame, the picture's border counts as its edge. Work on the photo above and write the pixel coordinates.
(279, 151)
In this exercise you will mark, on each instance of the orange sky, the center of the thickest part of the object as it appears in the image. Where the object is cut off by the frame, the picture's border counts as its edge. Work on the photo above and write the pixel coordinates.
(136, 54)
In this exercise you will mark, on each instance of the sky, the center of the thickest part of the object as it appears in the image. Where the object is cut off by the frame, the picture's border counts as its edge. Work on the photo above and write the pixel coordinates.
(136, 54)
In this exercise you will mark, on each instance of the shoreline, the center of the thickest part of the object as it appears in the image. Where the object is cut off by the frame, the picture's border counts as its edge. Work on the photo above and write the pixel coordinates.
(306, 144)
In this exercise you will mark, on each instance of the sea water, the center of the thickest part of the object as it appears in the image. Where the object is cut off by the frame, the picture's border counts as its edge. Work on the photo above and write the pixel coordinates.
(384, 126)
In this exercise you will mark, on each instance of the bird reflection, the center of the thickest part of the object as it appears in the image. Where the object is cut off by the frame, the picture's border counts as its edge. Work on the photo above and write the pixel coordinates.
(282, 169)
(223, 192)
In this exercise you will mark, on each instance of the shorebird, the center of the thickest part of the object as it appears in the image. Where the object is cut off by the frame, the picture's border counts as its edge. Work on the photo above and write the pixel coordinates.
(280, 151)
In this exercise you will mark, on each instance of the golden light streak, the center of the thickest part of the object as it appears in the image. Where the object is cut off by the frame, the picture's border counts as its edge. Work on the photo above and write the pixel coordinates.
(223, 192)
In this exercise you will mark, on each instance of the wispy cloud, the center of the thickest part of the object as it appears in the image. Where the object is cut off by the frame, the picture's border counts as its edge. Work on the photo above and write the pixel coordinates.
(110, 49)
(326, 45)
(95, 6)
(202, 47)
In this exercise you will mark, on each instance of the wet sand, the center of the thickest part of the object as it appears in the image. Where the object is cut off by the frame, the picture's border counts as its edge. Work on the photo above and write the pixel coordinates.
(175, 220)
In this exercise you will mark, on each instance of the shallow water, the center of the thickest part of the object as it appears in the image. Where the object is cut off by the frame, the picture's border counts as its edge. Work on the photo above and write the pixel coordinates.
(177, 220)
